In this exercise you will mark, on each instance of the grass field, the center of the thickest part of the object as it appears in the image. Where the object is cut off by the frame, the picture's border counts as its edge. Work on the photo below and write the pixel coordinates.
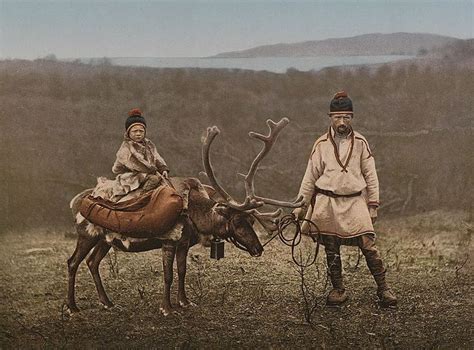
(245, 302)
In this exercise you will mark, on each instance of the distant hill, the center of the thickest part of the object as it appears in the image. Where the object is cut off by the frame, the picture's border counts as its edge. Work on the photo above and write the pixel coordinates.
(361, 45)
(459, 53)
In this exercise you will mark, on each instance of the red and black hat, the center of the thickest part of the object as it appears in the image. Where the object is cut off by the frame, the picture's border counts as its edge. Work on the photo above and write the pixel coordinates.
(341, 103)
(134, 117)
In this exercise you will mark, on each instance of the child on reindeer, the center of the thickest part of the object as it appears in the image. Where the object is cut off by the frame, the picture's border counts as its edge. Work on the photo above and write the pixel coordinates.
(138, 166)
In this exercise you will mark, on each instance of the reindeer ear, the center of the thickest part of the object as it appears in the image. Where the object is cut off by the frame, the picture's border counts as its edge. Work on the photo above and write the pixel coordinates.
(223, 210)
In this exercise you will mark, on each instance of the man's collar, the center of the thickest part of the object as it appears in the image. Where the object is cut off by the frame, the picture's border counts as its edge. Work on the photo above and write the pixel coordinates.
(335, 134)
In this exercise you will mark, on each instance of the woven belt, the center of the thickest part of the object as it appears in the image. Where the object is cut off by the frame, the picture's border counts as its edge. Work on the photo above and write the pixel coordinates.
(332, 194)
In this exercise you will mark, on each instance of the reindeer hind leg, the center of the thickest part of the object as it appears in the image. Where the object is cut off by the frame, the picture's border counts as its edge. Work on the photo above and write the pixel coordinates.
(84, 244)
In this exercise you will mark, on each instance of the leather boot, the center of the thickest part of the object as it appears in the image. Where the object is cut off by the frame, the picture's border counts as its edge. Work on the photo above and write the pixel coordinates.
(375, 265)
(385, 294)
(338, 294)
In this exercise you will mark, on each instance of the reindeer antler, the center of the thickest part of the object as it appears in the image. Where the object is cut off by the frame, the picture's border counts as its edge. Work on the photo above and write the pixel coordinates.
(252, 201)
(249, 203)
(275, 129)
(269, 221)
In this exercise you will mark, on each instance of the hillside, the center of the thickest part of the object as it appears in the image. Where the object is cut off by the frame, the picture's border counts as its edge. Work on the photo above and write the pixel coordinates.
(365, 45)
(459, 53)
(63, 122)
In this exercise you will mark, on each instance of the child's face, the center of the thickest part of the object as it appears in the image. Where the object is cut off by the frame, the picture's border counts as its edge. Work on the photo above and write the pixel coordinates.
(137, 133)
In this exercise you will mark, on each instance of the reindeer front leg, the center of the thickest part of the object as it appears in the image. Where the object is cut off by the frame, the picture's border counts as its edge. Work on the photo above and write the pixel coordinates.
(93, 262)
(181, 257)
(169, 251)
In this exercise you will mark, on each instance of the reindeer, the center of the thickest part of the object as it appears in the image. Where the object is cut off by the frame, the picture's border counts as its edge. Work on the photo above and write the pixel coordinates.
(204, 218)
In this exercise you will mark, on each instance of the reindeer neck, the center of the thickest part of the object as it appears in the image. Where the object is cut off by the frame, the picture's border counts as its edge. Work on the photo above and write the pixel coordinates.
(201, 212)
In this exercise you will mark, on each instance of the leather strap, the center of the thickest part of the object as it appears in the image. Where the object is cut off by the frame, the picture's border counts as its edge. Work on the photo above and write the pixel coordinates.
(331, 194)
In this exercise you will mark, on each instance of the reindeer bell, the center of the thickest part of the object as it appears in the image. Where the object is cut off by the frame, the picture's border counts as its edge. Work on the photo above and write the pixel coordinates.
(217, 249)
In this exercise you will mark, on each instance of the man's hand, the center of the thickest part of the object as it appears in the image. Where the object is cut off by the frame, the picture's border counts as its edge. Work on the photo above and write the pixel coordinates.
(165, 174)
(373, 213)
(299, 213)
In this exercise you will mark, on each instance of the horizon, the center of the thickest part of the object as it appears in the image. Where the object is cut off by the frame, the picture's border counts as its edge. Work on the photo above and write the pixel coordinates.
(182, 29)
(281, 43)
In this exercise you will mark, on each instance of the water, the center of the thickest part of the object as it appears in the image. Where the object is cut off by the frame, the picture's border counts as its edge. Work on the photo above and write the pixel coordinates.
(271, 64)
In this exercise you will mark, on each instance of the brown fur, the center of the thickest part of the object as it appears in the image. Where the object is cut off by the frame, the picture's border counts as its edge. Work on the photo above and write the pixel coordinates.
(205, 221)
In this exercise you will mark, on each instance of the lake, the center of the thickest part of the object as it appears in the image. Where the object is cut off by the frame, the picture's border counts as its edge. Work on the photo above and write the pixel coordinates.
(271, 64)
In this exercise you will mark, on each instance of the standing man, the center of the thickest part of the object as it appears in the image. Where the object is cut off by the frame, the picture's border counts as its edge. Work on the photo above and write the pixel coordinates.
(341, 194)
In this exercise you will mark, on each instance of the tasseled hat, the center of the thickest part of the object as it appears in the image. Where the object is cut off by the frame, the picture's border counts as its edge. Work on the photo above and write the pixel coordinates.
(134, 117)
(341, 103)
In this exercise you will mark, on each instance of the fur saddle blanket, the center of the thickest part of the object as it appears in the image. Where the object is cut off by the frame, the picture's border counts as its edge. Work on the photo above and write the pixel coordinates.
(152, 214)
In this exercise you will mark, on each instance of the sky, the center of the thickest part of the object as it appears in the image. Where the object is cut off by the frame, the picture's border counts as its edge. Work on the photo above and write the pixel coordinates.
(139, 28)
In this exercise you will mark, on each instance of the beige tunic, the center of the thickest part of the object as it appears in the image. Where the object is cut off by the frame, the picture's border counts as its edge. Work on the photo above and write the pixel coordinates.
(344, 168)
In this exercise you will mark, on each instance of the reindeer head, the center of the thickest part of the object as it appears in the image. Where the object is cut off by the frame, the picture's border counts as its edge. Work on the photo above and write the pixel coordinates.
(237, 227)
(241, 216)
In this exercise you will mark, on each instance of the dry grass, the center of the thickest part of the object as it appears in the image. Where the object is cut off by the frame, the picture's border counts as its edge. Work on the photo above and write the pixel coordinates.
(245, 302)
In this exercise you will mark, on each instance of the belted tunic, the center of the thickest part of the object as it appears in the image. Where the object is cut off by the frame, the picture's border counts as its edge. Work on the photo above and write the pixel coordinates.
(339, 184)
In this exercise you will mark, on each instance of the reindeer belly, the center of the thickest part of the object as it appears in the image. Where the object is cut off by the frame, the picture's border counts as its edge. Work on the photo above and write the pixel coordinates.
(136, 246)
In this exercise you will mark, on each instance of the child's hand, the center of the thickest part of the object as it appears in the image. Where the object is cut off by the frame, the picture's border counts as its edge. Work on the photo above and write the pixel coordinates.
(151, 183)
(165, 174)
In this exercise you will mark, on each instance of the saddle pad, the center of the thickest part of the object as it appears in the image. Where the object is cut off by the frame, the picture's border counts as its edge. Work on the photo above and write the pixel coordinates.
(150, 215)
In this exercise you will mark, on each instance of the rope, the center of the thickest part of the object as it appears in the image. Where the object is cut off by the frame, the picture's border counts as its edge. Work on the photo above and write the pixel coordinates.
(292, 242)
(295, 240)
(236, 243)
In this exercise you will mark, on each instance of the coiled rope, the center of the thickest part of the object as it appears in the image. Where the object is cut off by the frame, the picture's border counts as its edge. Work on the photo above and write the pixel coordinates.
(294, 240)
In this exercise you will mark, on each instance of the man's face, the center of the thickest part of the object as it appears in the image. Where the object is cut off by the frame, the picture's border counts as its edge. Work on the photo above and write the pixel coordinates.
(341, 123)
(137, 133)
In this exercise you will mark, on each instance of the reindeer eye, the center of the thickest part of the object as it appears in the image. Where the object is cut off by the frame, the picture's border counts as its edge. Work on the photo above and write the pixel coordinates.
(239, 220)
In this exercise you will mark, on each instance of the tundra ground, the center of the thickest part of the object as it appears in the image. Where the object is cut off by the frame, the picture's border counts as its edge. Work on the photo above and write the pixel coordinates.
(245, 302)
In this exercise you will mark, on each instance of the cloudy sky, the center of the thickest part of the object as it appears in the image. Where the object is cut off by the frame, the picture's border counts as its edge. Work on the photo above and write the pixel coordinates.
(139, 28)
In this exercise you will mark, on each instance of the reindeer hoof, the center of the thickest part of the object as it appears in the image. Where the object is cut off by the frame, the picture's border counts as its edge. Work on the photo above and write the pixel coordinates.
(166, 311)
(186, 303)
(107, 305)
(72, 309)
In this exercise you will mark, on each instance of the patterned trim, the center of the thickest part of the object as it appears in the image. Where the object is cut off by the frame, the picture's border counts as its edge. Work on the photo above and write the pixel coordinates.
(336, 152)
(374, 203)
(342, 236)
(341, 112)
(366, 146)
(316, 144)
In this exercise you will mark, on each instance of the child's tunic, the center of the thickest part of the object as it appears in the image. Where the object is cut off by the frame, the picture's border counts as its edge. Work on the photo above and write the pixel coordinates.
(135, 162)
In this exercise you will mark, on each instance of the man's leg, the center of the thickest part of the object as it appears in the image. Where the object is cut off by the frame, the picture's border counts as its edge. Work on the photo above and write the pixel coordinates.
(338, 294)
(375, 265)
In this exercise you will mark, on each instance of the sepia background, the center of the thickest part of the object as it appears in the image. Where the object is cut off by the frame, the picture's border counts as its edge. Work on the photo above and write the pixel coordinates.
(62, 119)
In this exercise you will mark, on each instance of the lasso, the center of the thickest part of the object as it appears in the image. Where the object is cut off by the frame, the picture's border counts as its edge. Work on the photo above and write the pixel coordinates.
(288, 220)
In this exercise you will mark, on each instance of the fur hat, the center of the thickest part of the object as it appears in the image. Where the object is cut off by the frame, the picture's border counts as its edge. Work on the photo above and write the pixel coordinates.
(341, 103)
(134, 117)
